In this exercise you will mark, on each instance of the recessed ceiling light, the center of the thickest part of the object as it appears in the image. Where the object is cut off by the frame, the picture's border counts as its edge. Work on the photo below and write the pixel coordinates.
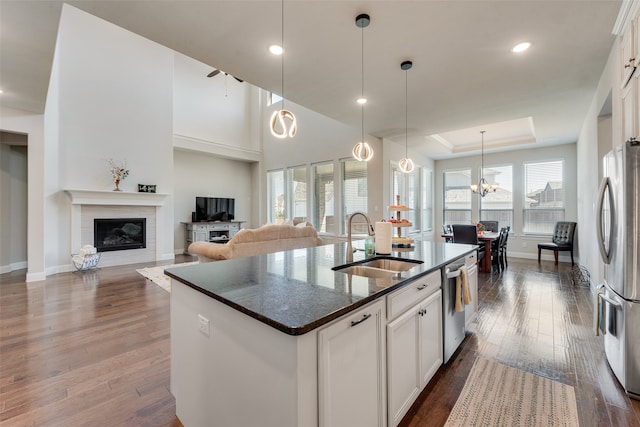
(361, 100)
(0, 90)
(276, 49)
(521, 47)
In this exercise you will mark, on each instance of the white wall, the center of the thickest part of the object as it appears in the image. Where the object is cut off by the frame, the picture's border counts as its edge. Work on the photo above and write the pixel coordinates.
(599, 134)
(215, 110)
(197, 174)
(519, 245)
(111, 97)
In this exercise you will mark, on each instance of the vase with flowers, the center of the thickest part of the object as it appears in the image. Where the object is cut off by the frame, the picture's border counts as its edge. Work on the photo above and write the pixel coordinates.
(118, 171)
(480, 228)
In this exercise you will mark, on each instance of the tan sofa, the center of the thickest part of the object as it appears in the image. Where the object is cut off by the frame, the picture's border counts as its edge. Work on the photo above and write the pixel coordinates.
(258, 241)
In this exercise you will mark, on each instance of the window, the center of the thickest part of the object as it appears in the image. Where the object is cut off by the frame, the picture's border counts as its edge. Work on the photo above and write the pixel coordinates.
(354, 192)
(405, 185)
(323, 201)
(457, 197)
(498, 205)
(273, 98)
(427, 200)
(275, 196)
(297, 193)
(543, 197)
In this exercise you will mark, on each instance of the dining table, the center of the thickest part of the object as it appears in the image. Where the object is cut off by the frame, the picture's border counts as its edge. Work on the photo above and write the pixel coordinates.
(486, 238)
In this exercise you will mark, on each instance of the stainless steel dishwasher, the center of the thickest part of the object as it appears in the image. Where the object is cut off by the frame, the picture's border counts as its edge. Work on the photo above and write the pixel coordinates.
(453, 321)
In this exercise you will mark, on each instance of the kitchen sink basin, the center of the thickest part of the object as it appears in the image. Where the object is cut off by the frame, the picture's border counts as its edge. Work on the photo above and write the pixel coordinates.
(378, 268)
(391, 264)
(365, 271)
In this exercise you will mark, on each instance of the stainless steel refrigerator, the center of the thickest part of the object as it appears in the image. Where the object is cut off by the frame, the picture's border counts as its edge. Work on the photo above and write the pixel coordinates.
(618, 230)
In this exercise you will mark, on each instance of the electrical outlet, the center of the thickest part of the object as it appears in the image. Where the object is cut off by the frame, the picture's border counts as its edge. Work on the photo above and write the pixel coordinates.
(203, 324)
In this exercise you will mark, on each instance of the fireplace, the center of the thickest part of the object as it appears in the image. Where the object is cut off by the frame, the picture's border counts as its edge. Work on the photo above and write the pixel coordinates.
(118, 234)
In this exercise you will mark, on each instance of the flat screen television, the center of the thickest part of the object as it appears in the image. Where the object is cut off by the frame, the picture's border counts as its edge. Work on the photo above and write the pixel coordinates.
(215, 209)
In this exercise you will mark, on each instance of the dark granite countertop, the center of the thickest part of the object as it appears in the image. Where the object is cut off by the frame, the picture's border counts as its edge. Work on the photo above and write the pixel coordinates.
(297, 291)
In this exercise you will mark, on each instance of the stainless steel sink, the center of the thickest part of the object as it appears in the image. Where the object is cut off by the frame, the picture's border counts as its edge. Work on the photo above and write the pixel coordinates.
(391, 264)
(365, 271)
(378, 268)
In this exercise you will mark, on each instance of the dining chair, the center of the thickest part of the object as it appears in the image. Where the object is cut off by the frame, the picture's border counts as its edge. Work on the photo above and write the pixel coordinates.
(446, 229)
(463, 233)
(499, 249)
(562, 240)
(490, 225)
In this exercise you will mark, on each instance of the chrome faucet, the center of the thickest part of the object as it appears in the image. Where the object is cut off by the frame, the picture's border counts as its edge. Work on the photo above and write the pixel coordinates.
(370, 231)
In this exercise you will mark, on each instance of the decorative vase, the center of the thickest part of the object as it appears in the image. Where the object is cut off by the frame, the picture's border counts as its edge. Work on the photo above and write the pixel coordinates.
(117, 183)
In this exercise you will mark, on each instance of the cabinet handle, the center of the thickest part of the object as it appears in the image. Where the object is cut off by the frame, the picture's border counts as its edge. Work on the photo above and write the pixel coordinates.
(357, 322)
(627, 66)
(421, 287)
(422, 312)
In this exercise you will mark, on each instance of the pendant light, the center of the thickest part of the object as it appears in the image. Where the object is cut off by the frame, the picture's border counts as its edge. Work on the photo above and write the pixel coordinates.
(362, 151)
(283, 122)
(483, 187)
(406, 164)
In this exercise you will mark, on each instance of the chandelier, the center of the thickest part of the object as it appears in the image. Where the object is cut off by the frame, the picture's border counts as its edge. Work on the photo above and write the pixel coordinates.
(483, 187)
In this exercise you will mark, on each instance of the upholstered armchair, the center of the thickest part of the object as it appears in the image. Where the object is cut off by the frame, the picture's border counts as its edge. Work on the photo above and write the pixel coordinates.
(562, 240)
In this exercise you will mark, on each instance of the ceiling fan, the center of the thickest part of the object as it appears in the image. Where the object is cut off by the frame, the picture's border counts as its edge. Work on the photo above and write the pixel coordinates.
(216, 72)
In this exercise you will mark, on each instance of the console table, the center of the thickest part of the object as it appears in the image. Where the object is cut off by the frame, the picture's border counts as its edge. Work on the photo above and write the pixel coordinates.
(214, 232)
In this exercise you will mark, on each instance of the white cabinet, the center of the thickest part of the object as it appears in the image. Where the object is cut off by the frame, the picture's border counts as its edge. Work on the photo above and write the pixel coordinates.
(351, 369)
(215, 232)
(628, 52)
(414, 342)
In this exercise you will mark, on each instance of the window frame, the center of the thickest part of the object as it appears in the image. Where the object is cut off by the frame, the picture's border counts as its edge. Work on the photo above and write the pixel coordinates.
(551, 210)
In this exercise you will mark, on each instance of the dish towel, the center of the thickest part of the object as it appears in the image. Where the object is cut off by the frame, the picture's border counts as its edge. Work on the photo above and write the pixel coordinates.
(463, 294)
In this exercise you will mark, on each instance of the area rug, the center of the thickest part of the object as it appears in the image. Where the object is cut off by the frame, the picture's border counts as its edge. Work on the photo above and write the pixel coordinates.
(498, 395)
(157, 276)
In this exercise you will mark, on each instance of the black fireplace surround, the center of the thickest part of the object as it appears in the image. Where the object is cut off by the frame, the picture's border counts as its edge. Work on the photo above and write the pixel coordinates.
(118, 234)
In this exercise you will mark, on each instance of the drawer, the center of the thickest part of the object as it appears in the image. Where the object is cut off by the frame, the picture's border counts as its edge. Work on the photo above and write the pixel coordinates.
(219, 227)
(412, 293)
(233, 227)
(197, 227)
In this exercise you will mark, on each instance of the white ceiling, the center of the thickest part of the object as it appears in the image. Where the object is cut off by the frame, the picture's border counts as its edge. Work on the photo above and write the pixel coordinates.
(464, 77)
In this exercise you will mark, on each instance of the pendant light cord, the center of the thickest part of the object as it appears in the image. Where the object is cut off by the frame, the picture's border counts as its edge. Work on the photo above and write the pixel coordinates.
(482, 157)
(282, 43)
(406, 112)
(362, 74)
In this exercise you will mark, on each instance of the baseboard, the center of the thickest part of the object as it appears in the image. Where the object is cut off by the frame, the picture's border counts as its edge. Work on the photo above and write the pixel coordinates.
(166, 257)
(36, 277)
(21, 265)
(548, 257)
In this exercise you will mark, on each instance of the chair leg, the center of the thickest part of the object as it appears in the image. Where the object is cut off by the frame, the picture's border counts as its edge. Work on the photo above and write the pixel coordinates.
(571, 257)
(539, 250)
(555, 255)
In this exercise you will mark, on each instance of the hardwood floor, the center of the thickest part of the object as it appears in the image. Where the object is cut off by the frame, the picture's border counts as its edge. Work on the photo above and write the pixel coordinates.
(92, 349)
(532, 317)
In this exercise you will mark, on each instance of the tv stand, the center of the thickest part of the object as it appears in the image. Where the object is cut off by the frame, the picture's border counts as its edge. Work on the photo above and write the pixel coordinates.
(210, 231)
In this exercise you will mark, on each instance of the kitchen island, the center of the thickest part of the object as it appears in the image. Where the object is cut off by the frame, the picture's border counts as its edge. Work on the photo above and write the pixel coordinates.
(284, 340)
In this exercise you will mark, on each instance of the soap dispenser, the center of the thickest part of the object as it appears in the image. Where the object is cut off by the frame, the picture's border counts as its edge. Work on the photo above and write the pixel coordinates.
(369, 247)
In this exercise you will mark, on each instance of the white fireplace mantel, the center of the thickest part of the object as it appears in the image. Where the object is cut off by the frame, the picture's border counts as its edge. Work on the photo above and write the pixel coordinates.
(92, 197)
(83, 199)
